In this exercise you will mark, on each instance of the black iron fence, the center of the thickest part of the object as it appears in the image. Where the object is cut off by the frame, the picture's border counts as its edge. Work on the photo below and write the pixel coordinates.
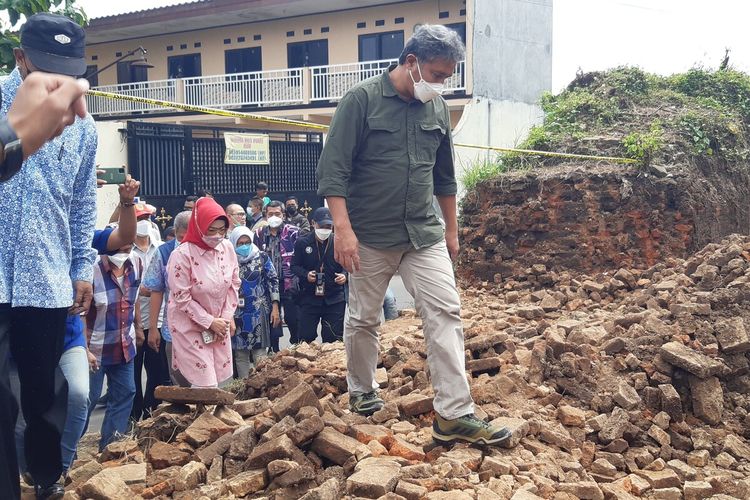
(174, 161)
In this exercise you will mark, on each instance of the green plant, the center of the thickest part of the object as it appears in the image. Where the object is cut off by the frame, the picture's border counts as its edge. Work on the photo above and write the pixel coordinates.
(572, 110)
(631, 82)
(628, 112)
(539, 138)
(480, 171)
(643, 146)
(729, 88)
(16, 9)
(695, 129)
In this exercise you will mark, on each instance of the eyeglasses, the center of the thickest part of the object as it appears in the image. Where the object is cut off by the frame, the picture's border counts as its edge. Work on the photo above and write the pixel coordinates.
(213, 231)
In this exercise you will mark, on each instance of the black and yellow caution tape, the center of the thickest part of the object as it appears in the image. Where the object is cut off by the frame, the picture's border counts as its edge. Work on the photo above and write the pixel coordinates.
(318, 126)
(209, 111)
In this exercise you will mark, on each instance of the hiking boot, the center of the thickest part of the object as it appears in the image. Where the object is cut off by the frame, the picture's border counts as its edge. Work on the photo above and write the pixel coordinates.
(54, 492)
(365, 404)
(467, 428)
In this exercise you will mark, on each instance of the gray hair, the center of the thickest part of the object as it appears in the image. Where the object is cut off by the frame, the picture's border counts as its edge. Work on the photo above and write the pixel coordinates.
(182, 220)
(434, 41)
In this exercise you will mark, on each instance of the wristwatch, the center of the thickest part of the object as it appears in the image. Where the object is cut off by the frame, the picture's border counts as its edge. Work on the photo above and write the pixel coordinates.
(11, 152)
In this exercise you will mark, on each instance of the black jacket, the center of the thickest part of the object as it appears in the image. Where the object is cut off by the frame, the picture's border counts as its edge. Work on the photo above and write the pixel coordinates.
(300, 221)
(306, 258)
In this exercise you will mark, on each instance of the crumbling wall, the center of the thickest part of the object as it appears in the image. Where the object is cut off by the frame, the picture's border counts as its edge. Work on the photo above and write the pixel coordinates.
(598, 218)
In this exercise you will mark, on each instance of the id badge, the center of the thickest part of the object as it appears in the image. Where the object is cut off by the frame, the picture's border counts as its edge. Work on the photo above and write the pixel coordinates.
(241, 303)
(320, 290)
(208, 337)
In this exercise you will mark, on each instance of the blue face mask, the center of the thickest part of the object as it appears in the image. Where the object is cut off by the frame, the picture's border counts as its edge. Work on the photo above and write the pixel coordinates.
(244, 250)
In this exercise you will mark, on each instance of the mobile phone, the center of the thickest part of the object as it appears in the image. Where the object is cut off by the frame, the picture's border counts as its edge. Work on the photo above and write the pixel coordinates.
(208, 337)
(112, 175)
(320, 285)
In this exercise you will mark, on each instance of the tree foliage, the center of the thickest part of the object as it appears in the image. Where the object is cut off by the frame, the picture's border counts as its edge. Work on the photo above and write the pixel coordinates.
(17, 10)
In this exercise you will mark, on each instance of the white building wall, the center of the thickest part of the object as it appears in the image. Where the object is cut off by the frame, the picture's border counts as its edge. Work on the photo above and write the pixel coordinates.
(511, 68)
(112, 151)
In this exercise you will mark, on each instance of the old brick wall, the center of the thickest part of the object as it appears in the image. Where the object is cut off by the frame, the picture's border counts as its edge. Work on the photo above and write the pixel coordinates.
(594, 219)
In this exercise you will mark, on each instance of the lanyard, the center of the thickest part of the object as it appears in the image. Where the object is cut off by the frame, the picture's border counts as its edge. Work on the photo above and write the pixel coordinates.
(317, 246)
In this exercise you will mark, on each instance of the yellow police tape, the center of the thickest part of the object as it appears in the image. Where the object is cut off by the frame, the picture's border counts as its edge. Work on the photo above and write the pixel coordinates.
(208, 111)
(318, 126)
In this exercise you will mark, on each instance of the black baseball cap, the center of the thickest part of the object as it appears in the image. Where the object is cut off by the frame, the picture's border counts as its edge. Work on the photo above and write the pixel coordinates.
(322, 216)
(54, 44)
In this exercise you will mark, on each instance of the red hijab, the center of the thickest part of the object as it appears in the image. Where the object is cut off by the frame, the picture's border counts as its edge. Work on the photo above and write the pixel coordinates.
(204, 214)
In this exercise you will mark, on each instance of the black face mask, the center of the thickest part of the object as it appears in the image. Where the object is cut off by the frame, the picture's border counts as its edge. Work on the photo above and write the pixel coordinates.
(291, 210)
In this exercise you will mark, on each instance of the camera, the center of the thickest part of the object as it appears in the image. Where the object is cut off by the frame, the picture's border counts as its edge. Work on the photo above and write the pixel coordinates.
(320, 286)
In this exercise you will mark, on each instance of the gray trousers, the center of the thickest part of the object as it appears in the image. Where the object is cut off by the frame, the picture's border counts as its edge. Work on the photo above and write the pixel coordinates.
(428, 276)
(174, 374)
(244, 359)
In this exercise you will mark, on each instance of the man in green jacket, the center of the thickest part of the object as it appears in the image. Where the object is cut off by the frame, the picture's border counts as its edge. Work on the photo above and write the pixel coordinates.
(389, 150)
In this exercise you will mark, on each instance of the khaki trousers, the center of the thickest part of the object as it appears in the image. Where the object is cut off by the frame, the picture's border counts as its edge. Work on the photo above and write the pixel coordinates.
(428, 276)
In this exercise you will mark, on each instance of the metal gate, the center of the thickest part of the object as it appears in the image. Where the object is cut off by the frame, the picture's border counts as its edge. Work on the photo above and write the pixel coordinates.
(174, 161)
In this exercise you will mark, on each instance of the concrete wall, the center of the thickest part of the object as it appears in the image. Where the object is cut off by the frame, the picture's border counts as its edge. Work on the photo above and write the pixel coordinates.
(512, 42)
(511, 66)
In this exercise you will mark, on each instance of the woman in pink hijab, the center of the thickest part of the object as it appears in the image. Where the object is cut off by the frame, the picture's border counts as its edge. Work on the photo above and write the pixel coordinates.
(203, 277)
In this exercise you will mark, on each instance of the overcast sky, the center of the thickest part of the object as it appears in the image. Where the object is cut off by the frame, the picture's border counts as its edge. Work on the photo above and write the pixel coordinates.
(661, 36)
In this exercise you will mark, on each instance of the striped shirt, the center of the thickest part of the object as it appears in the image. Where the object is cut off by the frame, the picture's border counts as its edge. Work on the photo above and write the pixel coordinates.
(110, 319)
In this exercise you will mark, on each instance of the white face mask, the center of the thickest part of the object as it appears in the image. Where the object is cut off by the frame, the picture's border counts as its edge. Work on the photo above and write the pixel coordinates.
(425, 91)
(323, 234)
(118, 259)
(143, 228)
(275, 221)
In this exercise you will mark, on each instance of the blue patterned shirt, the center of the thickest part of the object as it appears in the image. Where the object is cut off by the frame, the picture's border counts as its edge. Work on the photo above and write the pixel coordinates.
(48, 215)
(155, 279)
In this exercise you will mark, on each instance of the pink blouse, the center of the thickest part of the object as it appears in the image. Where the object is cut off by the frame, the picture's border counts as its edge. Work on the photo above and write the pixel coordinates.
(203, 285)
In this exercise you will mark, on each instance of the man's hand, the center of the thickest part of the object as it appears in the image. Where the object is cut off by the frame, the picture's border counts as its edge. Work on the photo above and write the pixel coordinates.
(451, 241)
(93, 363)
(346, 249)
(448, 208)
(128, 190)
(312, 277)
(140, 336)
(44, 105)
(340, 279)
(275, 316)
(153, 340)
(82, 300)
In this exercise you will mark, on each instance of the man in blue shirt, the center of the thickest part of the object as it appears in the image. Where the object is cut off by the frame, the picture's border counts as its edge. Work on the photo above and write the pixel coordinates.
(49, 211)
(109, 239)
(155, 282)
